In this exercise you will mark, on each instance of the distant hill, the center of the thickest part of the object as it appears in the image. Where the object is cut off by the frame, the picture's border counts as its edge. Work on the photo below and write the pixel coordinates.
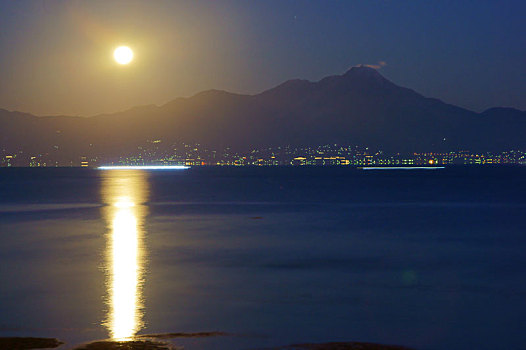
(360, 107)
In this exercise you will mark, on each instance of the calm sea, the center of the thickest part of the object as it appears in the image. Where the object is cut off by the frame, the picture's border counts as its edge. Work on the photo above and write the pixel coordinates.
(273, 256)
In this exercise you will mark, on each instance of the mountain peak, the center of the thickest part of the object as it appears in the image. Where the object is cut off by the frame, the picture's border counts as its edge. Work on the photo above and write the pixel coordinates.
(363, 71)
(363, 68)
(294, 86)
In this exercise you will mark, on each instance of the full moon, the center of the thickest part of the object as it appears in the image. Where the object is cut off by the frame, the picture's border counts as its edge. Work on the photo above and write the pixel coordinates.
(123, 55)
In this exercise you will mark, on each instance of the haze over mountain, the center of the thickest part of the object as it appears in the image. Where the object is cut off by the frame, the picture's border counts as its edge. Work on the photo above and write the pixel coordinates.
(360, 107)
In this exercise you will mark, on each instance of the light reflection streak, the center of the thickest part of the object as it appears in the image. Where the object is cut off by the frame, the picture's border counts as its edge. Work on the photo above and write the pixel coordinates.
(124, 194)
(143, 167)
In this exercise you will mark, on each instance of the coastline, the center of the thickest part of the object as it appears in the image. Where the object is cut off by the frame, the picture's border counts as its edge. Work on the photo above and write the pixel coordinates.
(158, 342)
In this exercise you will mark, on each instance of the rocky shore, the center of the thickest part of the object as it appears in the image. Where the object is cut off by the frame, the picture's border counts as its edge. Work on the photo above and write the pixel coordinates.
(152, 342)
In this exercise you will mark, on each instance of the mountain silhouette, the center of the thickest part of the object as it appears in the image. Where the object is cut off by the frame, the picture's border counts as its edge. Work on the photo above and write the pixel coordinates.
(360, 107)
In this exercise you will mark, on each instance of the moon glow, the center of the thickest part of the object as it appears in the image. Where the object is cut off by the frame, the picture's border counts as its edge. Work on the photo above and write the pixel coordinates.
(123, 55)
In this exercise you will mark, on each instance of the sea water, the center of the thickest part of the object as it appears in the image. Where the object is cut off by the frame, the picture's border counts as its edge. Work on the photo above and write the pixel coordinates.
(272, 256)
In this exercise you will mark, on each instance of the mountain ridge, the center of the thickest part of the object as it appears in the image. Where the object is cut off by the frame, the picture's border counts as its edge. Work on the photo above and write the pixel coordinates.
(359, 107)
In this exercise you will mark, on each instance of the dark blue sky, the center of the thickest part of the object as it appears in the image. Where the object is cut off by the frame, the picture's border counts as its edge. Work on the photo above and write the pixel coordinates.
(55, 56)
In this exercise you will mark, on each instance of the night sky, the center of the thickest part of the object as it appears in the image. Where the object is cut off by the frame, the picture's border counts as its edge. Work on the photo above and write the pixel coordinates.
(56, 56)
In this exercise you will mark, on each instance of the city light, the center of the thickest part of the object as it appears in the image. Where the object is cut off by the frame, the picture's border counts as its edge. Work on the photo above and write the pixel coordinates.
(160, 155)
(402, 167)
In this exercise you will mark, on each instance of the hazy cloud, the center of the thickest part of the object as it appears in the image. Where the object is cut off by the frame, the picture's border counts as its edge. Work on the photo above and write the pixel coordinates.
(379, 65)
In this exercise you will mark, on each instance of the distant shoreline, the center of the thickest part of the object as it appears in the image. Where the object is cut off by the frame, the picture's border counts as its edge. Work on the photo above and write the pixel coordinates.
(155, 167)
